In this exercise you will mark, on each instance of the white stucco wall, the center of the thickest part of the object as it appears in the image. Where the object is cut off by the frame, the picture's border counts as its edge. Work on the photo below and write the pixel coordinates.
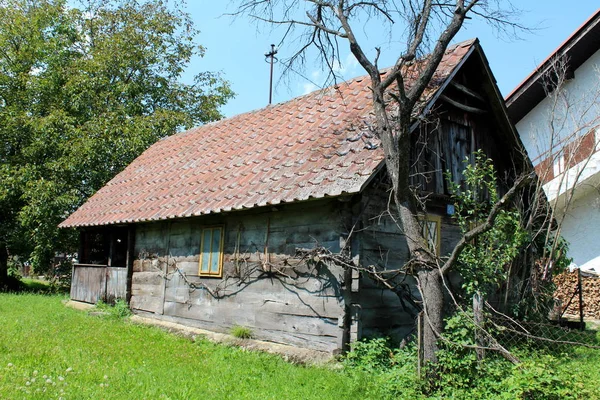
(581, 228)
(573, 113)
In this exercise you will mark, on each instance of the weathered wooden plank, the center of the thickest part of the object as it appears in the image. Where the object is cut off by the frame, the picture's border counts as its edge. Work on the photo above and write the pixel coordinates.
(281, 303)
(313, 342)
(209, 312)
(146, 303)
(147, 278)
(146, 290)
(89, 284)
(116, 284)
(246, 315)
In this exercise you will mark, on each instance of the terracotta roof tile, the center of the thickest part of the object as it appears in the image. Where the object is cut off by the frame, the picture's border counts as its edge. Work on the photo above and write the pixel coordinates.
(312, 146)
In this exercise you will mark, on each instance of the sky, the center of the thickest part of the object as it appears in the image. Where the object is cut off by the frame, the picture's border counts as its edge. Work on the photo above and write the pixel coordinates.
(236, 48)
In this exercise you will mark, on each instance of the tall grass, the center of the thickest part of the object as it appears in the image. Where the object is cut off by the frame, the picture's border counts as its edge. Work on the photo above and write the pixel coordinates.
(50, 351)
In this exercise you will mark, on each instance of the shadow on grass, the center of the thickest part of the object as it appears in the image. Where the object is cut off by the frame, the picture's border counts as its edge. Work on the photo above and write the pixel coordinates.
(28, 285)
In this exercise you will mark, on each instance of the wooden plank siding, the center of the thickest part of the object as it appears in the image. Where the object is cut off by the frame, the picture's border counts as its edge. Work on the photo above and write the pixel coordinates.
(88, 283)
(440, 145)
(91, 283)
(263, 287)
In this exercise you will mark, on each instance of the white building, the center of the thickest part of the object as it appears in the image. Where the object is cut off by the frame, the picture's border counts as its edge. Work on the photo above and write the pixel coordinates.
(556, 110)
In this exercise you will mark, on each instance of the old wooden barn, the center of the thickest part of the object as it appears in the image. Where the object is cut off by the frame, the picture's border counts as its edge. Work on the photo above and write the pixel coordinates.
(203, 227)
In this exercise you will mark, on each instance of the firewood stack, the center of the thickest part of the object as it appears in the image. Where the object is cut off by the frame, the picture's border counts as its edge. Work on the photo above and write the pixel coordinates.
(566, 286)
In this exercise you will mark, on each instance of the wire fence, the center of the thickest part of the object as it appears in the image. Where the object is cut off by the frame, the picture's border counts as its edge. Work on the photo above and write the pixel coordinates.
(512, 333)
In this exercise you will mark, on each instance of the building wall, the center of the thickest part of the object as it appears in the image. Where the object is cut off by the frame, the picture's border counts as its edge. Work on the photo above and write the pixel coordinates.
(382, 244)
(570, 116)
(573, 122)
(581, 229)
(264, 286)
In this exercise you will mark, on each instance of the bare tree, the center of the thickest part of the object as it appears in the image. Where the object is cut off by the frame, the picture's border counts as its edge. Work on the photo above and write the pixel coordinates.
(566, 140)
(426, 28)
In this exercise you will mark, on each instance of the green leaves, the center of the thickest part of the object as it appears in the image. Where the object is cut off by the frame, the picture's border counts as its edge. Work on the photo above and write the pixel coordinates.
(83, 91)
(484, 262)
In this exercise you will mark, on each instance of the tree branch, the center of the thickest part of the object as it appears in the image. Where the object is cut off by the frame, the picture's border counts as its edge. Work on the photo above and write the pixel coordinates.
(489, 222)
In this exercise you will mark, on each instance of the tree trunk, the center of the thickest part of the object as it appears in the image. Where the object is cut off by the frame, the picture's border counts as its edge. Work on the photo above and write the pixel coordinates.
(3, 266)
(430, 285)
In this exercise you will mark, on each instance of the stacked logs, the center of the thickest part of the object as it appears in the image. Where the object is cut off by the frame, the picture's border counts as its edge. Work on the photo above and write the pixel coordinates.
(566, 287)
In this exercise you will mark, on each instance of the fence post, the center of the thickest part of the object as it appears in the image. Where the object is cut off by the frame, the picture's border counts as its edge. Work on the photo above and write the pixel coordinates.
(419, 343)
(579, 288)
(478, 317)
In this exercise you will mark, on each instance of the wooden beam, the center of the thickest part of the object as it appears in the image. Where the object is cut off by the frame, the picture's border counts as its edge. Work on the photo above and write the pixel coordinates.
(467, 91)
(461, 106)
(130, 261)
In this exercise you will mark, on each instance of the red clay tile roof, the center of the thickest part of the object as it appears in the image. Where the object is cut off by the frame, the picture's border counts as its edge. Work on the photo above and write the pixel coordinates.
(313, 146)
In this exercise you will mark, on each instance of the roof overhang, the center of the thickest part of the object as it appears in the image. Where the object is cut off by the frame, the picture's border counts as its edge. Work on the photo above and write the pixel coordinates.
(580, 46)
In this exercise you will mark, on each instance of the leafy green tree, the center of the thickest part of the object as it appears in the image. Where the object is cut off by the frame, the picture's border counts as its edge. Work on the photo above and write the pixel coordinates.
(83, 91)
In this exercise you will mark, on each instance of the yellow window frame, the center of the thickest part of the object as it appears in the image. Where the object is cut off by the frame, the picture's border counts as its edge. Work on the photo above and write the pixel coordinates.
(209, 252)
(425, 230)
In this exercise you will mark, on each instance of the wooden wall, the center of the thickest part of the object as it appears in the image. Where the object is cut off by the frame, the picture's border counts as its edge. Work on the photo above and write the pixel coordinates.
(382, 244)
(90, 283)
(264, 287)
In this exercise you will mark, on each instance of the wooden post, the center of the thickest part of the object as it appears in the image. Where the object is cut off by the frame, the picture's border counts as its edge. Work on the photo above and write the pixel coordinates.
(166, 269)
(579, 288)
(478, 317)
(129, 261)
(80, 257)
(108, 265)
(419, 343)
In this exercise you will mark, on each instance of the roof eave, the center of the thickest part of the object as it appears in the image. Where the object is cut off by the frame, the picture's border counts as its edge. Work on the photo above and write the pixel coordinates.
(578, 47)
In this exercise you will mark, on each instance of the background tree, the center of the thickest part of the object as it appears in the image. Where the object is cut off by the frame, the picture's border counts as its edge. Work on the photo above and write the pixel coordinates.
(422, 29)
(83, 91)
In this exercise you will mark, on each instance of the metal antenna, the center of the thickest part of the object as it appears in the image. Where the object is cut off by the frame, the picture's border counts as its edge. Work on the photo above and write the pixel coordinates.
(270, 58)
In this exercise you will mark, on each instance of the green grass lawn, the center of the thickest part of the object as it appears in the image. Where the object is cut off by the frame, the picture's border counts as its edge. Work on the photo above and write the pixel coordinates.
(48, 351)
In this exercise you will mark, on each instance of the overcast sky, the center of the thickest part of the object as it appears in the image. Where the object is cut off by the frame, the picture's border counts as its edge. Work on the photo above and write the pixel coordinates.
(236, 48)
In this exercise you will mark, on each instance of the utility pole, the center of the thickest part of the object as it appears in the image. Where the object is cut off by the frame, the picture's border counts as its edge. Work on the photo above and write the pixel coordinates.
(270, 58)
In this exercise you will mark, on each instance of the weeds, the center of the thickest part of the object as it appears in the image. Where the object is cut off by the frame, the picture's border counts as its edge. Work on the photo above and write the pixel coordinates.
(119, 310)
(241, 332)
(462, 376)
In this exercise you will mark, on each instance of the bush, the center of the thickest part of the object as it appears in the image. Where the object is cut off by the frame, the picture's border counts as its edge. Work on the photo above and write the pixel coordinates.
(383, 372)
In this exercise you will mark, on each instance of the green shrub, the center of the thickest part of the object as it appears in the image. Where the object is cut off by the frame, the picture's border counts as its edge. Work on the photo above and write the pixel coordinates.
(370, 355)
(380, 371)
(241, 332)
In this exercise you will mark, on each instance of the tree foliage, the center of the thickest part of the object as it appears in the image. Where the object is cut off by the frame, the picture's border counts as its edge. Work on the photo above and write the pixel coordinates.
(483, 261)
(83, 91)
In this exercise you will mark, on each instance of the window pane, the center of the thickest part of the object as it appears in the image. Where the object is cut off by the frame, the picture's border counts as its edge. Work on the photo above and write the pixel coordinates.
(432, 234)
(206, 242)
(215, 250)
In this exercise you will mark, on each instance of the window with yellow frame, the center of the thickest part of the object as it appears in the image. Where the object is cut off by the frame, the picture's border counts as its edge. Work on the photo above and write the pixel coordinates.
(211, 252)
(431, 226)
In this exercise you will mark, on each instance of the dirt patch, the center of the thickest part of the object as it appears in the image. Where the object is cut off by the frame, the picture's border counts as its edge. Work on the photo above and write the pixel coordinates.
(78, 305)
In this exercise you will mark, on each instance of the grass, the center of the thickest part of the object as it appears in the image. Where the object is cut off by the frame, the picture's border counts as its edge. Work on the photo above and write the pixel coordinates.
(50, 351)
(241, 332)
